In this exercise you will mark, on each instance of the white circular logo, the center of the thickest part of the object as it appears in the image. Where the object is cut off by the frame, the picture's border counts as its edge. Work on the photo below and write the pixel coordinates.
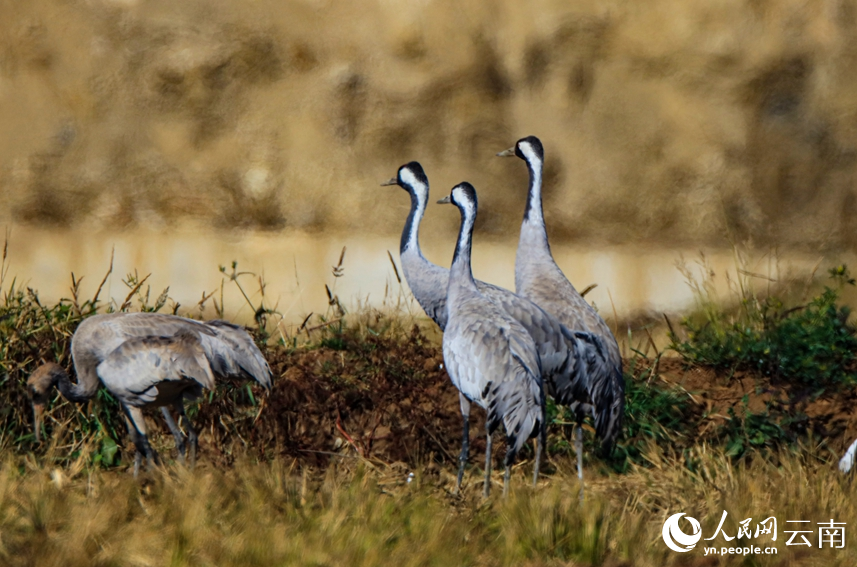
(676, 539)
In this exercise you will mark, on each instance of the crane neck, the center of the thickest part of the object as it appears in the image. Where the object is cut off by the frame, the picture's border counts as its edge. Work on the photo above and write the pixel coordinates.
(461, 271)
(411, 231)
(77, 393)
(533, 212)
(534, 237)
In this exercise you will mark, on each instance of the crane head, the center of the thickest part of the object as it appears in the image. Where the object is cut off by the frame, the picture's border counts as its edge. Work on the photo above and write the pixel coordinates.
(412, 178)
(528, 149)
(39, 386)
(462, 196)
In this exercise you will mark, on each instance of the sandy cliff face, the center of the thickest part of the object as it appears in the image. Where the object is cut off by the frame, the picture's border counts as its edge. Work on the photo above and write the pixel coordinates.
(667, 121)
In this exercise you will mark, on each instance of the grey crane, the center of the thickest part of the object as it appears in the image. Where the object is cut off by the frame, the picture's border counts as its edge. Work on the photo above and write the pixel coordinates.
(846, 463)
(561, 353)
(538, 278)
(150, 360)
(490, 357)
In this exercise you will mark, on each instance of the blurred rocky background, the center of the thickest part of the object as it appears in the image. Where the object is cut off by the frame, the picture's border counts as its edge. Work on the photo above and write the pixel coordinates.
(666, 121)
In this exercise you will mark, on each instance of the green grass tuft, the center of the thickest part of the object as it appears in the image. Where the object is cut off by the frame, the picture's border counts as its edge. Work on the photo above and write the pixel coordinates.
(810, 344)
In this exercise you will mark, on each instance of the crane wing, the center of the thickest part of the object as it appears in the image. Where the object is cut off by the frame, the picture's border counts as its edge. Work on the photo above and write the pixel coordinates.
(520, 398)
(570, 385)
(230, 350)
(544, 328)
(232, 353)
(144, 370)
(606, 387)
(498, 367)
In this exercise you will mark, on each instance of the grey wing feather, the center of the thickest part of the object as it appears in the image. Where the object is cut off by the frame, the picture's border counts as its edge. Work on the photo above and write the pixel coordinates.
(493, 361)
(232, 352)
(138, 367)
(429, 282)
(545, 330)
(520, 400)
(606, 387)
(99, 335)
(523, 349)
(538, 277)
(570, 384)
(516, 402)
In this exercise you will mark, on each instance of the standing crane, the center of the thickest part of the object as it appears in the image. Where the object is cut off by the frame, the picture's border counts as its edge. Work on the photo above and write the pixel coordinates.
(846, 463)
(562, 354)
(490, 357)
(538, 278)
(150, 360)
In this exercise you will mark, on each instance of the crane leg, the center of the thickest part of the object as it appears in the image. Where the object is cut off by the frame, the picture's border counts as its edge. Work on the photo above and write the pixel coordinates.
(510, 458)
(138, 456)
(138, 431)
(465, 440)
(193, 438)
(177, 433)
(486, 490)
(540, 446)
(578, 447)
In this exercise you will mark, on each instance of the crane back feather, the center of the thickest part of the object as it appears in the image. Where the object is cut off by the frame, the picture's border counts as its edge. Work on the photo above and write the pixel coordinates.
(229, 349)
(153, 370)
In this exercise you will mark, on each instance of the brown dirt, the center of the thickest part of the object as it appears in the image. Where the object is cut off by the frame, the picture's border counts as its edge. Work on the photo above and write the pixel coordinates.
(387, 399)
(380, 398)
(390, 401)
(830, 417)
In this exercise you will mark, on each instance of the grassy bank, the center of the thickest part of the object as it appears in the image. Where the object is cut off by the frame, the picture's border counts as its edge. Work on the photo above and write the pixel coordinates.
(748, 418)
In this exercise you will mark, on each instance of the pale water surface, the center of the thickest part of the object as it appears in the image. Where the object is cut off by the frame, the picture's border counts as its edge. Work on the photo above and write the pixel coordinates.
(296, 266)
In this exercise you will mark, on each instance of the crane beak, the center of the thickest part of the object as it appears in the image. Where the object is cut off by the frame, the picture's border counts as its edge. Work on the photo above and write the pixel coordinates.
(38, 409)
(392, 181)
(445, 201)
(507, 153)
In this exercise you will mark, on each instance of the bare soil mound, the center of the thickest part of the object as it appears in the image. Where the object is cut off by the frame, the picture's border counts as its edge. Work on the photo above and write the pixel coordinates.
(390, 400)
(376, 397)
(720, 398)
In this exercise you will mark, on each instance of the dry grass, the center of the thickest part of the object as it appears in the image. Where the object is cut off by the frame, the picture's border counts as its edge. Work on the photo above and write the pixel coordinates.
(251, 502)
(278, 514)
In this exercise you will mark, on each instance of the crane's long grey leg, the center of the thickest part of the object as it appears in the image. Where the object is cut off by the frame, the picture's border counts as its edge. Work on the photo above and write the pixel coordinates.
(138, 425)
(510, 458)
(486, 490)
(542, 443)
(193, 438)
(578, 447)
(174, 429)
(138, 456)
(465, 440)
